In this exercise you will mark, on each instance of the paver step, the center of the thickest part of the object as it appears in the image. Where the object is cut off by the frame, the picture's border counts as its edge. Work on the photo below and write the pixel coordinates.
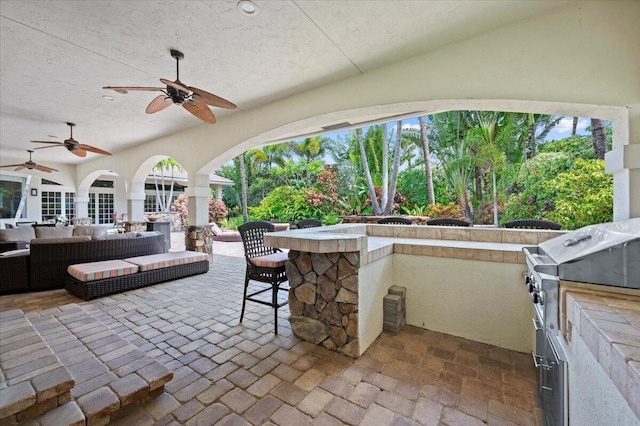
(111, 375)
(32, 378)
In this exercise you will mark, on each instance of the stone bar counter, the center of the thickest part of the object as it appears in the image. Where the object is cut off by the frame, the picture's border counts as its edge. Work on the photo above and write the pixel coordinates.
(466, 282)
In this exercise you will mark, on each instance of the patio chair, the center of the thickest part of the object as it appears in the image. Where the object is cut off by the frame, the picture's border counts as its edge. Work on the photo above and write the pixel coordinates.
(264, 264)
(308, 223)
(449, 221)
(532, 224)
(395, 220)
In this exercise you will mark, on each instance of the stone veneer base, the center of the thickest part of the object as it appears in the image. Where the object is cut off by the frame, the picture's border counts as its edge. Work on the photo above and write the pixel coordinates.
(199, 239)
(323, 299)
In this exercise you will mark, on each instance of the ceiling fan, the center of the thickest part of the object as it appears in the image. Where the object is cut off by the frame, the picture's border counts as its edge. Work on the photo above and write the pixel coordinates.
(73, 146)
(31, 165)
(192, 99)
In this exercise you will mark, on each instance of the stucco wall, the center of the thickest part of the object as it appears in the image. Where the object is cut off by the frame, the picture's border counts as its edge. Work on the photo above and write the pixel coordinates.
(374, 281)
(482, 301)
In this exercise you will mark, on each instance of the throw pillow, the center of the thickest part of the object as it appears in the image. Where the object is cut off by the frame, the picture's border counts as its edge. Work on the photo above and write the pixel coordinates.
(38, 241)
(17, 234)
(54, 232)
(88, 230)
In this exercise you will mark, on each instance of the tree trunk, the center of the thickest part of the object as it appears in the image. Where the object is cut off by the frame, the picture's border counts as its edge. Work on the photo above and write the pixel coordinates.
(367, 174)
(574, 127)
(243, 180)
(478, 181)
(495, 198)
(384, 197)
(598, 138)
(388, 207)
(427, 160)
(532, 139)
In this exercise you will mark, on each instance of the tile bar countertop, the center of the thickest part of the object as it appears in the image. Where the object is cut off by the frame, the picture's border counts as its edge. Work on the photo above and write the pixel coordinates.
(376, 241)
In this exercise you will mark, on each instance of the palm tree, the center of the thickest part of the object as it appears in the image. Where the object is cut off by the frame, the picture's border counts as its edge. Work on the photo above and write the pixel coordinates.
(598, 138)
(367, 174)
(163, 202)
(393, 182)
(427, 160)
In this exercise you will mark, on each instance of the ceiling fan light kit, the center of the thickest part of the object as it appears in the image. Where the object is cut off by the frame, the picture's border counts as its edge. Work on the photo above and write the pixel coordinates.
(194, 100)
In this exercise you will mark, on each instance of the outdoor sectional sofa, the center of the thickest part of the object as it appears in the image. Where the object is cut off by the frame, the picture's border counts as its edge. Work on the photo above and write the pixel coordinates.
(95, 279)
(44, 265)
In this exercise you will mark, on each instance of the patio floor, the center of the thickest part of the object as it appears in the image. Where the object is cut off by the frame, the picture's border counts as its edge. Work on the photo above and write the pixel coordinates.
(233, 374)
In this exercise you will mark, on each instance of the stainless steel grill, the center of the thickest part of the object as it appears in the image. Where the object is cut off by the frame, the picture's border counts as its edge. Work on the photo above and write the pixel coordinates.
(606, 254)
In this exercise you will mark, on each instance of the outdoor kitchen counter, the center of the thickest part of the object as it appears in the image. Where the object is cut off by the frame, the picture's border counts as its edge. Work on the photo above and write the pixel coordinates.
(609, 324)
(376, 241)
(339, 276)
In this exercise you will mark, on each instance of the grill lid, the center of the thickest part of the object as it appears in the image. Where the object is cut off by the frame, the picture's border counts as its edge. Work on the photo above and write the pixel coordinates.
(591, 239)
(606, 254)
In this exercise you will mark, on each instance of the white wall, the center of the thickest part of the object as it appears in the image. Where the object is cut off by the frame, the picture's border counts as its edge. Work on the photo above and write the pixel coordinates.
(481, 301)
(374, 280)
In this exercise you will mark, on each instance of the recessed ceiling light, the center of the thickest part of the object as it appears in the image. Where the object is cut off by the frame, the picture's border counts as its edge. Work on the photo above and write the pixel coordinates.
(108, 98)
(247, 7)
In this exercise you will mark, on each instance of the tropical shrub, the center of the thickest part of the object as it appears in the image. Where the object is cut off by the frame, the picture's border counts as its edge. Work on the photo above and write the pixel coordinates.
(529, 195)
(444, 210)
(217, 208)
(584, 195)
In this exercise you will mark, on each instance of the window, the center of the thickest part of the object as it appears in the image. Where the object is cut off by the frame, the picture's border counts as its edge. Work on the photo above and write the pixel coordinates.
(102, 184)
(51, 204)
(10, 195)
(70, 205)
(105, 208)
(92, 207)
(150, 204)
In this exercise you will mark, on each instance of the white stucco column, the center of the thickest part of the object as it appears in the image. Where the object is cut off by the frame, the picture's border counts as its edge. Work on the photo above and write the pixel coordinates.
(82, 204)
(623, 161)
(135, 202)
(198, 193)
(219, 192)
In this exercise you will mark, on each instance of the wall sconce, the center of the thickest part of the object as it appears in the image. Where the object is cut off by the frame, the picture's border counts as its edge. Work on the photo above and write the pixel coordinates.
(34, 192)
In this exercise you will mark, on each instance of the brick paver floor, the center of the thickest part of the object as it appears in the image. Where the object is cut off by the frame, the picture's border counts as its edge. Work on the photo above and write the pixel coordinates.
(237, 374)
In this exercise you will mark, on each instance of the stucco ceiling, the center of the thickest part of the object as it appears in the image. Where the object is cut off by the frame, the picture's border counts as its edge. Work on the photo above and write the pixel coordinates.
(57, 55)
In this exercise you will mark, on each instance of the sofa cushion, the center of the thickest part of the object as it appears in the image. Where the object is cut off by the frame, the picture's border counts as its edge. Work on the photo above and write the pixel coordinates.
(274, 260)
(124, 236)
(54, 231)
(215, 229)
(89, 230)
(12, 253)
(166, 260)
(17, 234)
(92, 271)
(38, 241)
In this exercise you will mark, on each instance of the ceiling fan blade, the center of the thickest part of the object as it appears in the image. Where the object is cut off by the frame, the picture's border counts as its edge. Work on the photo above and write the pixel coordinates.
(45, 169)
(175, 84)
(20, 167)
(93, 149)
(79, 152)
(13, 165)
(212, 99)
(158, 104)
(50, 146)
(200, 110)
(51, 142)
(126, 89)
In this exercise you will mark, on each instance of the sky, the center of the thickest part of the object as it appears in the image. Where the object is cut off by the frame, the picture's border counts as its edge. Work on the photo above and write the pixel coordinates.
(560, 131)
